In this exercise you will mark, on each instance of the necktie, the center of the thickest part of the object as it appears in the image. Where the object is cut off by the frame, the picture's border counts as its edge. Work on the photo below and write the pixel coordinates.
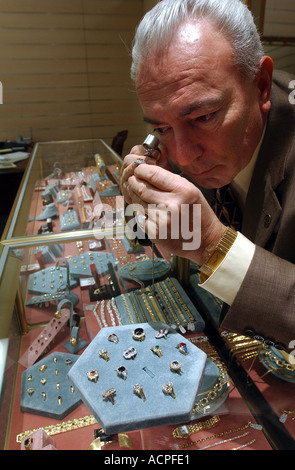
(226, 207)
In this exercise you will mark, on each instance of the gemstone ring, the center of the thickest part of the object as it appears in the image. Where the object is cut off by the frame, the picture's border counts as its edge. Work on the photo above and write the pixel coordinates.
(175, 366)
(157, 350)
(92, 375)
(138, 334)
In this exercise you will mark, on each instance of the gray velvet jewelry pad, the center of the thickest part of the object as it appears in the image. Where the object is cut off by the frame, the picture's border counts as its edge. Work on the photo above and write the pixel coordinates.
(130, 411)
(50, 406)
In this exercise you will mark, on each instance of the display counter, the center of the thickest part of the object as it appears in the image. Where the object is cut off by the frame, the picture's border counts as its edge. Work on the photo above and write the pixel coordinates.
(104, 343)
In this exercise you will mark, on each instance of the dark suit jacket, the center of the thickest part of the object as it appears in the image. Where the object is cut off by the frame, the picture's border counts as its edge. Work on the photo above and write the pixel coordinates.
(265, 303)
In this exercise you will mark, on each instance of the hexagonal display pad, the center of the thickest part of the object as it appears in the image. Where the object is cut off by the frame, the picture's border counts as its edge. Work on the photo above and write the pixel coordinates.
(126, 410)
(45, 388)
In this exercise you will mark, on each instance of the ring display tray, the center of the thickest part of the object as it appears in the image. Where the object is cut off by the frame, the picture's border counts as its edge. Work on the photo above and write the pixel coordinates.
(111, 396)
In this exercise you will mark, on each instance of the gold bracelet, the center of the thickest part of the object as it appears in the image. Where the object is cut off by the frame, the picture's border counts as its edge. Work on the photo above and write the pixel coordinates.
(220, 434)
(59, 428)
(139, 305)
(210, 395)
(127, 308)
(154, 304)
(184, 432)
(170, 308)
(180, 313)
(134, 308)
(247, 356)
(148, 307)
(180, 299)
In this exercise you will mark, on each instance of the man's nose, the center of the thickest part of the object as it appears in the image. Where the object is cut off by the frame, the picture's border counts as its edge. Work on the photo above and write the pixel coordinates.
(187, 149)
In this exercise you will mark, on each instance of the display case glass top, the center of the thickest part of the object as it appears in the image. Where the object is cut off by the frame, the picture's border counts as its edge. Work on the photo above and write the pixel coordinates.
(62, 186)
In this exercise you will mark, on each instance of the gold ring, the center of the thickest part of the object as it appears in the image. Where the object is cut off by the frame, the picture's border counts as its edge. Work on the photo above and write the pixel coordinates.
(175, 366)
(138, 334)
(104, 354)
(157, 350)
(168, 389)
(92, 375)
(138, 390)
(109, 395)
(122, 372)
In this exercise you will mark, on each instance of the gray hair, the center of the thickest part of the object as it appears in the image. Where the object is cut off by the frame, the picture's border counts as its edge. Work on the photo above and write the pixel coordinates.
(231, 17)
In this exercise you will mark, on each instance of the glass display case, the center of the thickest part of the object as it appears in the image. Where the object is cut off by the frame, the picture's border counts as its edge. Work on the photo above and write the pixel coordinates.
(106, 342)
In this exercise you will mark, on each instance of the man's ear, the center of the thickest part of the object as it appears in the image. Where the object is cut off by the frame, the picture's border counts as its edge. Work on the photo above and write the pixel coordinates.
(264, 82)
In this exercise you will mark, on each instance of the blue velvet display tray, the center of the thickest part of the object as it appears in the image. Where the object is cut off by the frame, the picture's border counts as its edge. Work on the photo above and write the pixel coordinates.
(130, 411)
(145, 270)
(50, 252)
(69, 220)
(50, 280)
(79, 266)
(49, 405)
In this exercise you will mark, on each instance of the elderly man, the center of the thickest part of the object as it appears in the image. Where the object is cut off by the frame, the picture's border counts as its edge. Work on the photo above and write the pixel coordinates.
(222, 117)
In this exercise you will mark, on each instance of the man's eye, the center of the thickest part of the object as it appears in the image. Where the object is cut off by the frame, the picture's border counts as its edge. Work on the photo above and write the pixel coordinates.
(206, 117)
(160, 130)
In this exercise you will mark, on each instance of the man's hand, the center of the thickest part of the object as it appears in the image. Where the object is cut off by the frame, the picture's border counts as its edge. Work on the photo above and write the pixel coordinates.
(129, 164)
(174, 207)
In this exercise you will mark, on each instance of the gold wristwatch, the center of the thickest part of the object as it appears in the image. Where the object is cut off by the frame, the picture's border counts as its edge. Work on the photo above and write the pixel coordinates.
(221, 250)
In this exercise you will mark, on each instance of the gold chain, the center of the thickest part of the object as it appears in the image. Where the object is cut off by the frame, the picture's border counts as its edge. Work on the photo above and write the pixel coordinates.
(59, 428)
(127, 308)
(185, 431)
(140, 307)
(154, 304)
(215, 436)
(135, 310)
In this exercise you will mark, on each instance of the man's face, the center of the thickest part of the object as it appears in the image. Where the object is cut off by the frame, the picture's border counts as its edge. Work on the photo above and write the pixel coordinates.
(206, 115)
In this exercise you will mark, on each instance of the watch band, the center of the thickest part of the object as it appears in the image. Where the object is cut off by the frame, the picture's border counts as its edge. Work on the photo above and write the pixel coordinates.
(221, 250)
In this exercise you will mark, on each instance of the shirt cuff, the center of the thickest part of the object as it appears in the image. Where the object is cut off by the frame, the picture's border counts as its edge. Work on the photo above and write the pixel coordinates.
(226, 280)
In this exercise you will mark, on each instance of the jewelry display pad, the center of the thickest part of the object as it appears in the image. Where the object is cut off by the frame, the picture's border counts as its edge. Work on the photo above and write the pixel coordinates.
(69, 220)
(49, 405)
(80, 266)
(50, 280)
(131, 411)
(145, 270)
(49, 253)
